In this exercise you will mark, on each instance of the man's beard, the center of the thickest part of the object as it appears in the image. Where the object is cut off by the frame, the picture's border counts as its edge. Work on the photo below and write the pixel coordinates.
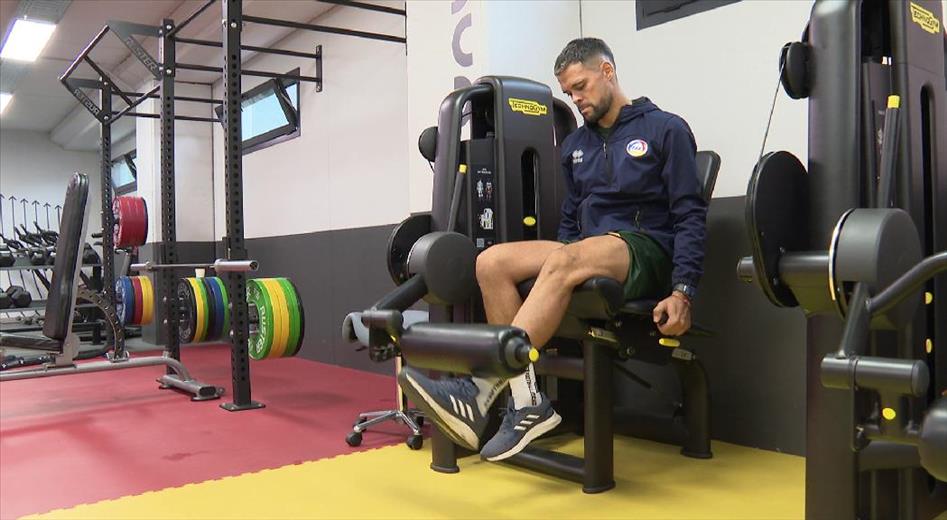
(599, 110)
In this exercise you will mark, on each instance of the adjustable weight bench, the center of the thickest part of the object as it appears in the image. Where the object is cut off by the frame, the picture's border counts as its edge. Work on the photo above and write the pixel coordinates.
(59, 338)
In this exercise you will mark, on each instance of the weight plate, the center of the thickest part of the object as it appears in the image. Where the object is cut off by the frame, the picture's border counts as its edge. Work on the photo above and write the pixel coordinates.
(261, 339)
(142, 221)
(148, 300)
(121, 300)
(292, 303)
(211, 333)
(302, 316)
(139, 298)
(200, 301)
(217, 304)
(225, 329)
(281, 315)
(188, 317)
(119, 231)
(200, 288)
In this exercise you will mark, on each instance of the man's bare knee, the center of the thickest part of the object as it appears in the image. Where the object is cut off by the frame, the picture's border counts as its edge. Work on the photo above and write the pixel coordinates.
(489, 266)
(561, 265)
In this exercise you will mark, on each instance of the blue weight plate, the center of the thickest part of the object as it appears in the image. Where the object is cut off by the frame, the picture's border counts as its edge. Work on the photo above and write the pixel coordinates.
(216, 306)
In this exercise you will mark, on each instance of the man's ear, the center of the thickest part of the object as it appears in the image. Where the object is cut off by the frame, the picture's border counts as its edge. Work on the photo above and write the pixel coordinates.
(608, 70)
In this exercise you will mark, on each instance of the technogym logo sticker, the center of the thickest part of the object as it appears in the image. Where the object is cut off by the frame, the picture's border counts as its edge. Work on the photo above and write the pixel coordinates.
(925, 19)
(528, 107)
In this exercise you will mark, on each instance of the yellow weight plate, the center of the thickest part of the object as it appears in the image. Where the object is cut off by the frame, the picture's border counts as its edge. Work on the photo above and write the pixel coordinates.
(200, 328)
(281, 312)
(148, 297)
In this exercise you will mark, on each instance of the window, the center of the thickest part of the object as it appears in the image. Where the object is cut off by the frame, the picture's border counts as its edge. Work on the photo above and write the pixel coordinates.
(269, 113)
(125, 174)
(656, 12)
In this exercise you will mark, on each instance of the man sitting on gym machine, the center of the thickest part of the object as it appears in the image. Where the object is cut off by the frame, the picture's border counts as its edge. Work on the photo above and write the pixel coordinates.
(633, 212)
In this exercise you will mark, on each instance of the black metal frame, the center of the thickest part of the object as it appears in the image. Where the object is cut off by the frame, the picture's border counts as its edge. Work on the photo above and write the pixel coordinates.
(164, 72)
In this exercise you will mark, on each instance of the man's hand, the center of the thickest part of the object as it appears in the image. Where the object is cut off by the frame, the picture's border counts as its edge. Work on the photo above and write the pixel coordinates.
(678, 310)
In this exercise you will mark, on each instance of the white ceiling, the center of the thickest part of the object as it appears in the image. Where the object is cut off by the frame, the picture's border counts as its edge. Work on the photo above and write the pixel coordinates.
(41, 103)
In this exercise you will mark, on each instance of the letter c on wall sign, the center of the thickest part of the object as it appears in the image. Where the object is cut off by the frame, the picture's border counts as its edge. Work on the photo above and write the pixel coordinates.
(464, 59)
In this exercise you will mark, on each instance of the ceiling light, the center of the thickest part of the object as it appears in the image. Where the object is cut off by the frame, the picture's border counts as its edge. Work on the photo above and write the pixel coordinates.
(26, 40)
(4, 100)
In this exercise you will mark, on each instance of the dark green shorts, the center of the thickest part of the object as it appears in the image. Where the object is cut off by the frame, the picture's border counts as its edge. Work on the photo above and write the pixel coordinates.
(649, 273)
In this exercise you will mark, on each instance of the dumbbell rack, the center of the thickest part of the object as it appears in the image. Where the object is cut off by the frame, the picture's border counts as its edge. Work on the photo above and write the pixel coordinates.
(38, 305)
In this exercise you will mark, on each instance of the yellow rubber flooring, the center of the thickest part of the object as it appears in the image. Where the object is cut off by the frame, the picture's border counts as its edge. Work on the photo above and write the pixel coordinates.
(653, 481)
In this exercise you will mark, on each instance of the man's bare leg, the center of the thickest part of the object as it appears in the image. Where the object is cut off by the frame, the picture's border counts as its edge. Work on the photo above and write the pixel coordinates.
(501, 267)
(544, 308)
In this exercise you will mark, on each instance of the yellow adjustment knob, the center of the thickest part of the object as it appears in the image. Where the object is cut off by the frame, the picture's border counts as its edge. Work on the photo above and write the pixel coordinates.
(463, 168)
(928, 298)
(669, 342)
(529, 221)
(533, 355)
(929, 345)
(894, 101)
(889, 413)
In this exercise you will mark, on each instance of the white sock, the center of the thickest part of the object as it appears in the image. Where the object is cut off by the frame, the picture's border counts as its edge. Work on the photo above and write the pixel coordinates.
(524, 389)
(489, 390)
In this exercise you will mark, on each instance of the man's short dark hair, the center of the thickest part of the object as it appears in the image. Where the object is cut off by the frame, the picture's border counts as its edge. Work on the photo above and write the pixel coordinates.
(581, 50)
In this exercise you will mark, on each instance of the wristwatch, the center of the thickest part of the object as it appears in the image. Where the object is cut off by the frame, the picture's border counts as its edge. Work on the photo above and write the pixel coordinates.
(687, 290)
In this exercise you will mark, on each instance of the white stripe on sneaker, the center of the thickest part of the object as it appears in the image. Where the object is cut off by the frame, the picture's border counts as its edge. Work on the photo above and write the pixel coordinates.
(531, 416)
(469, 411)
(454, 403)
(518, 428)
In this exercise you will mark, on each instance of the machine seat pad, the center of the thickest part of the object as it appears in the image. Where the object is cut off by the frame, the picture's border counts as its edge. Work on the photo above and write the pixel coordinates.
(596, 299)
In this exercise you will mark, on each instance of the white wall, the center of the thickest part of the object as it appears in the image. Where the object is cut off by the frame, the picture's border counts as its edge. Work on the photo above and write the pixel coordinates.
(718, 70)
(34, 167)
(515, 38)
(193, 163)
(347, 168)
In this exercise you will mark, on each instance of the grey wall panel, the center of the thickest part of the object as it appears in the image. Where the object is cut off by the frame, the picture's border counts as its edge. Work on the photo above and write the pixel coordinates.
(756, 361)
(336, 272)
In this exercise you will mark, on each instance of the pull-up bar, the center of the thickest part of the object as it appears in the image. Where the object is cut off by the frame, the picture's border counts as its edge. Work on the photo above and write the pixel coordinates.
(325, 29)
(176, 117)
(176, 98)
(260, 73)
(298, 54)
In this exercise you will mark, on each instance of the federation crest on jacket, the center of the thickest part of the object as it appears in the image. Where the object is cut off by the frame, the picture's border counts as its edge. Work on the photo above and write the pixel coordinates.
(637, 148)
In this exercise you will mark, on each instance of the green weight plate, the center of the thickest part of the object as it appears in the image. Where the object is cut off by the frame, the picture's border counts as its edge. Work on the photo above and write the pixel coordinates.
(261, 341)
(292, 303)
(188, 316)
(225, 331)
(302, 316)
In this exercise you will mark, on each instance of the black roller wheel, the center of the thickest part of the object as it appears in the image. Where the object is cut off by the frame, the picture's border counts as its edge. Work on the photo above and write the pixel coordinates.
(415, 442)
(353, 439)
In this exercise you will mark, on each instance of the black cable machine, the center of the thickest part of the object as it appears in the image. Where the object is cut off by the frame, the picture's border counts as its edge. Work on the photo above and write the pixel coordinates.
(857, 242)
(164, 70)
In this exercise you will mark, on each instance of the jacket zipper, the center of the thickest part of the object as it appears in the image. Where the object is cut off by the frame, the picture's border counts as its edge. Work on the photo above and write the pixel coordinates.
(608, 165)
(638, 219)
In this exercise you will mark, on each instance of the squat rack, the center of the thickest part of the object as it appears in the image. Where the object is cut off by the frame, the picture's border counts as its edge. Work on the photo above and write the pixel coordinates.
(164, 71)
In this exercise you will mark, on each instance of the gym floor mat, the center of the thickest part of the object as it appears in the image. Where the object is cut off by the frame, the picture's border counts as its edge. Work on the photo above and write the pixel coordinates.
(654, 481)
(84, 438)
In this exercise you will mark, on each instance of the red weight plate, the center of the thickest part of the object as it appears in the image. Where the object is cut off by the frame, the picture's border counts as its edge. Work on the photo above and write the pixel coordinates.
(139, 299)
(117, 214)
(139, 226)
(144, 221)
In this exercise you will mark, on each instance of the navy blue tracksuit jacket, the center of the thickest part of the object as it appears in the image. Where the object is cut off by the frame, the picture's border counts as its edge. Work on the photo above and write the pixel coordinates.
(643, 179)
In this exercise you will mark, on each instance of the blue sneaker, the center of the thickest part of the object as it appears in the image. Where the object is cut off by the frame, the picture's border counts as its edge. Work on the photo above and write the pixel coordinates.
(519, 428)
(451, 403)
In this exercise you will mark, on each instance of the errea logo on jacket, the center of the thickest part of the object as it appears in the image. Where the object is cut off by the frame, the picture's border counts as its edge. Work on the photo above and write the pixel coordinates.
(577, 157)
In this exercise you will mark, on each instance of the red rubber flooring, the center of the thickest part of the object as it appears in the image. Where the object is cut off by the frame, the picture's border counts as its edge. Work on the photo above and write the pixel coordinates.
(83, 438)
